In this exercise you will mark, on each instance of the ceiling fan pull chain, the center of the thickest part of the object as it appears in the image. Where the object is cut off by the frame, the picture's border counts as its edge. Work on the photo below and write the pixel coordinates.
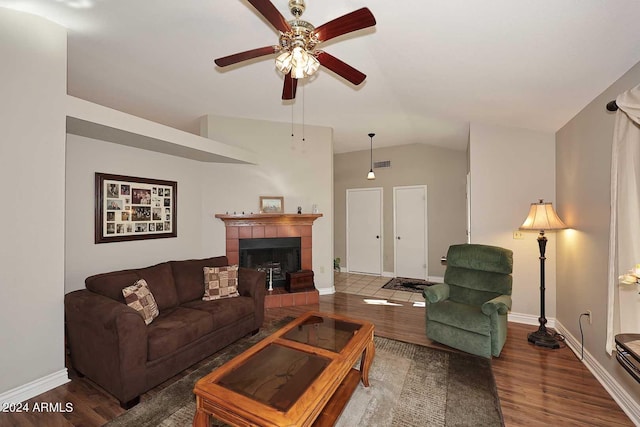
(303, 97)
(292, 120)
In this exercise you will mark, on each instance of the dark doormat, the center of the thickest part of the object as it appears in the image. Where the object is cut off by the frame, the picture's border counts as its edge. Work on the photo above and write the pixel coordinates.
(409, 285)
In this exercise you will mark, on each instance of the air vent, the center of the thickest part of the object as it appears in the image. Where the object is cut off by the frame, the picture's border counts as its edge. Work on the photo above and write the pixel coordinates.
(383, 164)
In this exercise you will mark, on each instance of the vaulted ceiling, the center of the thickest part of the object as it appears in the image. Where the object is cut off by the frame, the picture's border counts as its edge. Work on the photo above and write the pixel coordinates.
(432, 66)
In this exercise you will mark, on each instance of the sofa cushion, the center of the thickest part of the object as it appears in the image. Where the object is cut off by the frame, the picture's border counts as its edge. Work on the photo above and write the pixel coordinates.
(187, 276)
(159, 278)
(225, 312)
(176, 328)
(139, 297)
(220, 282)
(111, 284)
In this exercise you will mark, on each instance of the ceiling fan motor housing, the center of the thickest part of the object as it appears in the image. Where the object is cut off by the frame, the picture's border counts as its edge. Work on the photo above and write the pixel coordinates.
(301, 35)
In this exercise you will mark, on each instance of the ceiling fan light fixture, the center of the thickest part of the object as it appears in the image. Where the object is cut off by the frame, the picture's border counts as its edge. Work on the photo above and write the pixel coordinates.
(299, 62)
(283, 62)
(312, 65)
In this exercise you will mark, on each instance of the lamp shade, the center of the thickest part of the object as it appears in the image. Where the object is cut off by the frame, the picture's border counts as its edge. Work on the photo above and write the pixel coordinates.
(542, 217)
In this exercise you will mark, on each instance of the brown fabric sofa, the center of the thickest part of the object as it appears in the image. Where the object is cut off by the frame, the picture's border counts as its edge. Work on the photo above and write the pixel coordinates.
(111, 345)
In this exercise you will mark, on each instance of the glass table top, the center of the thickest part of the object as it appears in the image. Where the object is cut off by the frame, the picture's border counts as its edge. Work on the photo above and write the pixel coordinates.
(323, 332)
(278, 374)
(275, 376)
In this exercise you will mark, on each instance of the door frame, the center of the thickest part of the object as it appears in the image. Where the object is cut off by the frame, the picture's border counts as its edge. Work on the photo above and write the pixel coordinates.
(381, 191)
(426, 229)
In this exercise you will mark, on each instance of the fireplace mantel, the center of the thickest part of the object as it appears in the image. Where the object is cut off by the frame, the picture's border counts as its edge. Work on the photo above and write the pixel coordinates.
(268, 225)
(268, 219)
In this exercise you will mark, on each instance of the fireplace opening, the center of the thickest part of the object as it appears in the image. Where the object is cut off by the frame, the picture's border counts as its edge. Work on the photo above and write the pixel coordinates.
(274, 256)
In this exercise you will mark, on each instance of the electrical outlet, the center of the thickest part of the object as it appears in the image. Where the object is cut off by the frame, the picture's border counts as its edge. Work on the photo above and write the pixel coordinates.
(589, 316)
(518, 235)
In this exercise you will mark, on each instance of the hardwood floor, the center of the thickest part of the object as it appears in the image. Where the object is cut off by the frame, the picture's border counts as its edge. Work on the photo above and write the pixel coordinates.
(536, 386)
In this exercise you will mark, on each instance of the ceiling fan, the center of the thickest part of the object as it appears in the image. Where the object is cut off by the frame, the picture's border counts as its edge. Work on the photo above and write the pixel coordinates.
(298, 56)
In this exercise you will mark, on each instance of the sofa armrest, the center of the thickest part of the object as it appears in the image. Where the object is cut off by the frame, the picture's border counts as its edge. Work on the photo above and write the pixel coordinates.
(251, 283)
(107, 341)
(436, 293)
(500, 304)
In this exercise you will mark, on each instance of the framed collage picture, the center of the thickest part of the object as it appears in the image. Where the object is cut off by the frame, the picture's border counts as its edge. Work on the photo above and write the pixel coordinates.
(131, 208)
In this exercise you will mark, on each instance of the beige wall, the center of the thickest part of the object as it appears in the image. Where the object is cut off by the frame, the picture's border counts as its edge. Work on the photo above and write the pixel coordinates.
(204, 189)
(443, 171)
(583, 150)
(510, 169)
(32, 122)
(83, 257)
(301, 172)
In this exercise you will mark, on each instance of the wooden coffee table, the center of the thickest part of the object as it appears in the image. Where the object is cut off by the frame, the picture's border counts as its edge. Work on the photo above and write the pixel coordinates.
(301, 375)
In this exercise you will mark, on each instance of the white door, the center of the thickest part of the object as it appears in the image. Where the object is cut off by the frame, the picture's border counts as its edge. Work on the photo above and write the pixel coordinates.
(364, 230)
(410, 231)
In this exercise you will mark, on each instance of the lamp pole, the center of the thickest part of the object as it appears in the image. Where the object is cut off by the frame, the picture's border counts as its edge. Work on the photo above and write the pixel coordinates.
(542, 337)
(543, 217)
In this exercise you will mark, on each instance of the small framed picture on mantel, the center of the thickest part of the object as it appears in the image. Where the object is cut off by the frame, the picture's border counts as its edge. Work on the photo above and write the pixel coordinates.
(271, 204)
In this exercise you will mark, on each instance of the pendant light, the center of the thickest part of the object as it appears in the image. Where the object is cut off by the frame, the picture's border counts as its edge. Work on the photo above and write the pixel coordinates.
(371, 175)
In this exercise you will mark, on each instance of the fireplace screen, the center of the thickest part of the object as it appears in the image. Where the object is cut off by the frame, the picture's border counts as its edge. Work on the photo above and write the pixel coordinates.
(274, 256)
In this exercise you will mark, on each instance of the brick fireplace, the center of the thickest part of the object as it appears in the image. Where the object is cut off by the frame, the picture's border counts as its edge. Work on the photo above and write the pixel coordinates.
(266, 226)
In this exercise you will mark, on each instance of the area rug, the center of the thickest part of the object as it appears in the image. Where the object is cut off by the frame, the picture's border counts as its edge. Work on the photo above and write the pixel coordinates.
(410, 385)
(409, 285)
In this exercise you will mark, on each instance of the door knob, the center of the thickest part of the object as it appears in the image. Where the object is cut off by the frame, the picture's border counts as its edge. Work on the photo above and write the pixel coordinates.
(377, 237)
(398, 237)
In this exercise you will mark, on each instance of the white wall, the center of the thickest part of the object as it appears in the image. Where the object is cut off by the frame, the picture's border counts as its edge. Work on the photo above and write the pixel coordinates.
(33, 88)
(510, 169)
(86, 156)
(300, 171)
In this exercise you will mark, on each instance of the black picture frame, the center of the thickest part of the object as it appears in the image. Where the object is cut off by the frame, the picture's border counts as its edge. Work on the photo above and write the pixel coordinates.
(132, 208)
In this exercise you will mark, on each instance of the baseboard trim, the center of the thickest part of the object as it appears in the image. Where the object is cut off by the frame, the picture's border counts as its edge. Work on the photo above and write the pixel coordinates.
(610, 384)
(436, 279)
(35, 388)
(529, 319)
(327, 291)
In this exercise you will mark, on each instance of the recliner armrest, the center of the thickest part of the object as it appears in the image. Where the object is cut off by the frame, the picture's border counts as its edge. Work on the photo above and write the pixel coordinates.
(500, 304)
(436, 293)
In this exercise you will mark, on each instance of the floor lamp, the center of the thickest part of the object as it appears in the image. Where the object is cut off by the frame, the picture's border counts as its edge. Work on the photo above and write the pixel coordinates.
(542, 217)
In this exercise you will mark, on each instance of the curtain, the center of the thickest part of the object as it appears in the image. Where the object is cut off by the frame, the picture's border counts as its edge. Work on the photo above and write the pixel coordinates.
(623, 315)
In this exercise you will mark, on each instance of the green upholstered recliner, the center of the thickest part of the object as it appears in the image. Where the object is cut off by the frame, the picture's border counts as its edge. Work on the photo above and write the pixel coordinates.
(469, 310)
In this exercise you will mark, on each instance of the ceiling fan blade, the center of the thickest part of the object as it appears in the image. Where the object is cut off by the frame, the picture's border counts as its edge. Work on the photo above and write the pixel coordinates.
(290, 86)
(243, 56)
(269, 11)
(357, 20)
(341, 68)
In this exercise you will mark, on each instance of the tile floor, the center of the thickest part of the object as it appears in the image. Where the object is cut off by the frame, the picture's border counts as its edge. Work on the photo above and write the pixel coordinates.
(371, 286)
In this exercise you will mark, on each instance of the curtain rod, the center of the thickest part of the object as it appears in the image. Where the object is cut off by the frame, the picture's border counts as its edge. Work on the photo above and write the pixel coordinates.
(612, 106)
